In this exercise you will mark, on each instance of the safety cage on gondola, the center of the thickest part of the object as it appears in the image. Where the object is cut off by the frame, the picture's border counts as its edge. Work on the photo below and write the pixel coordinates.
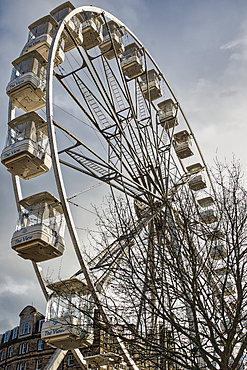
(115, 38)
(109, 360)
(150, 84)
(198, 181)
(167, 114)
(218, 252)
(131, 61)
(27, 150)
(91, 30)
(216, 240)
(68, 323)
(27, 86)
(40, 38)
(182, 144)
(73, 28)
(208, 214)
(39, 234)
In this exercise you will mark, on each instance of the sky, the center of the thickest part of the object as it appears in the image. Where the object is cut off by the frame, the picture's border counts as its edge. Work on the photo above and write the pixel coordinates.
(201, 48)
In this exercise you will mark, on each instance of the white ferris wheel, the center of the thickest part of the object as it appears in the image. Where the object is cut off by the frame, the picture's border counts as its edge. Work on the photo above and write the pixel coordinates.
(95, 106)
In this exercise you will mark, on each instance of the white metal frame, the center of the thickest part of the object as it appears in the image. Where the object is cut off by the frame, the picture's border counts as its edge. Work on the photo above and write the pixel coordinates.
(59, 354)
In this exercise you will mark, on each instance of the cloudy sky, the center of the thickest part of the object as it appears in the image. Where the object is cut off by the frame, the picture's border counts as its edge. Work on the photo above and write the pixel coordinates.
(201, 47)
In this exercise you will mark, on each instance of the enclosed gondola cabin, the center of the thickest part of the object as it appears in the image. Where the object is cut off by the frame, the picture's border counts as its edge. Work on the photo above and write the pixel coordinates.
(218, 251)
(40, 229)
(91, 30)
(131, 61)
(73, 28)
(114, 38)
(68, 322)
(182, 144)
(198, 182)
(108, 359)
(150, 84)
(216, 237)
(208, 216)
(40, 38)
(27, 88)
(27, 150)
(208, 202)
(167, 114)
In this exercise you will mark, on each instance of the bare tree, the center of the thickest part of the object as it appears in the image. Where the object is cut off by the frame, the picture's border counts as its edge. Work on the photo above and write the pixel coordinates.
(176, 290)
(172, 278)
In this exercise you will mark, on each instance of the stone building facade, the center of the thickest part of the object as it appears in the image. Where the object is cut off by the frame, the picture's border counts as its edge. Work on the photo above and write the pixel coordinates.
(21, 348)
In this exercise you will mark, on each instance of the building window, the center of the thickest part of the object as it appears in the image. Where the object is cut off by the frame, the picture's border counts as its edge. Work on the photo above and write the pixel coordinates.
(15, 332)
(11, 350)
(22, 366)
(8, 367)
(6, 336)
(2, 355)
(70, 360)
(41, 322)
(39, 364)
(40, 345)
(25, 348)
(26, 328)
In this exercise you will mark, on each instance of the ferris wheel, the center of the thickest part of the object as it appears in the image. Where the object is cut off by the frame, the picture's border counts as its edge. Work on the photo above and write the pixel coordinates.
(100, 111)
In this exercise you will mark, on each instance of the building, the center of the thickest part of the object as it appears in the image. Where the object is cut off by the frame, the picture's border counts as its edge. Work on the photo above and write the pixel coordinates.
(21, 348)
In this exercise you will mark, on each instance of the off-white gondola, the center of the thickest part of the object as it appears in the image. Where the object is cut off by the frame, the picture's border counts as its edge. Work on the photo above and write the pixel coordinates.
(68, 324)
(208, 215)
(74, 25)
(27, 87)
(182, 144)
(131, 61)
(150, 84)
(91, 30)
(198, 182)
(27, 150)
(106, 47)
(40, 229)
(40, 37)
(167, 114)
